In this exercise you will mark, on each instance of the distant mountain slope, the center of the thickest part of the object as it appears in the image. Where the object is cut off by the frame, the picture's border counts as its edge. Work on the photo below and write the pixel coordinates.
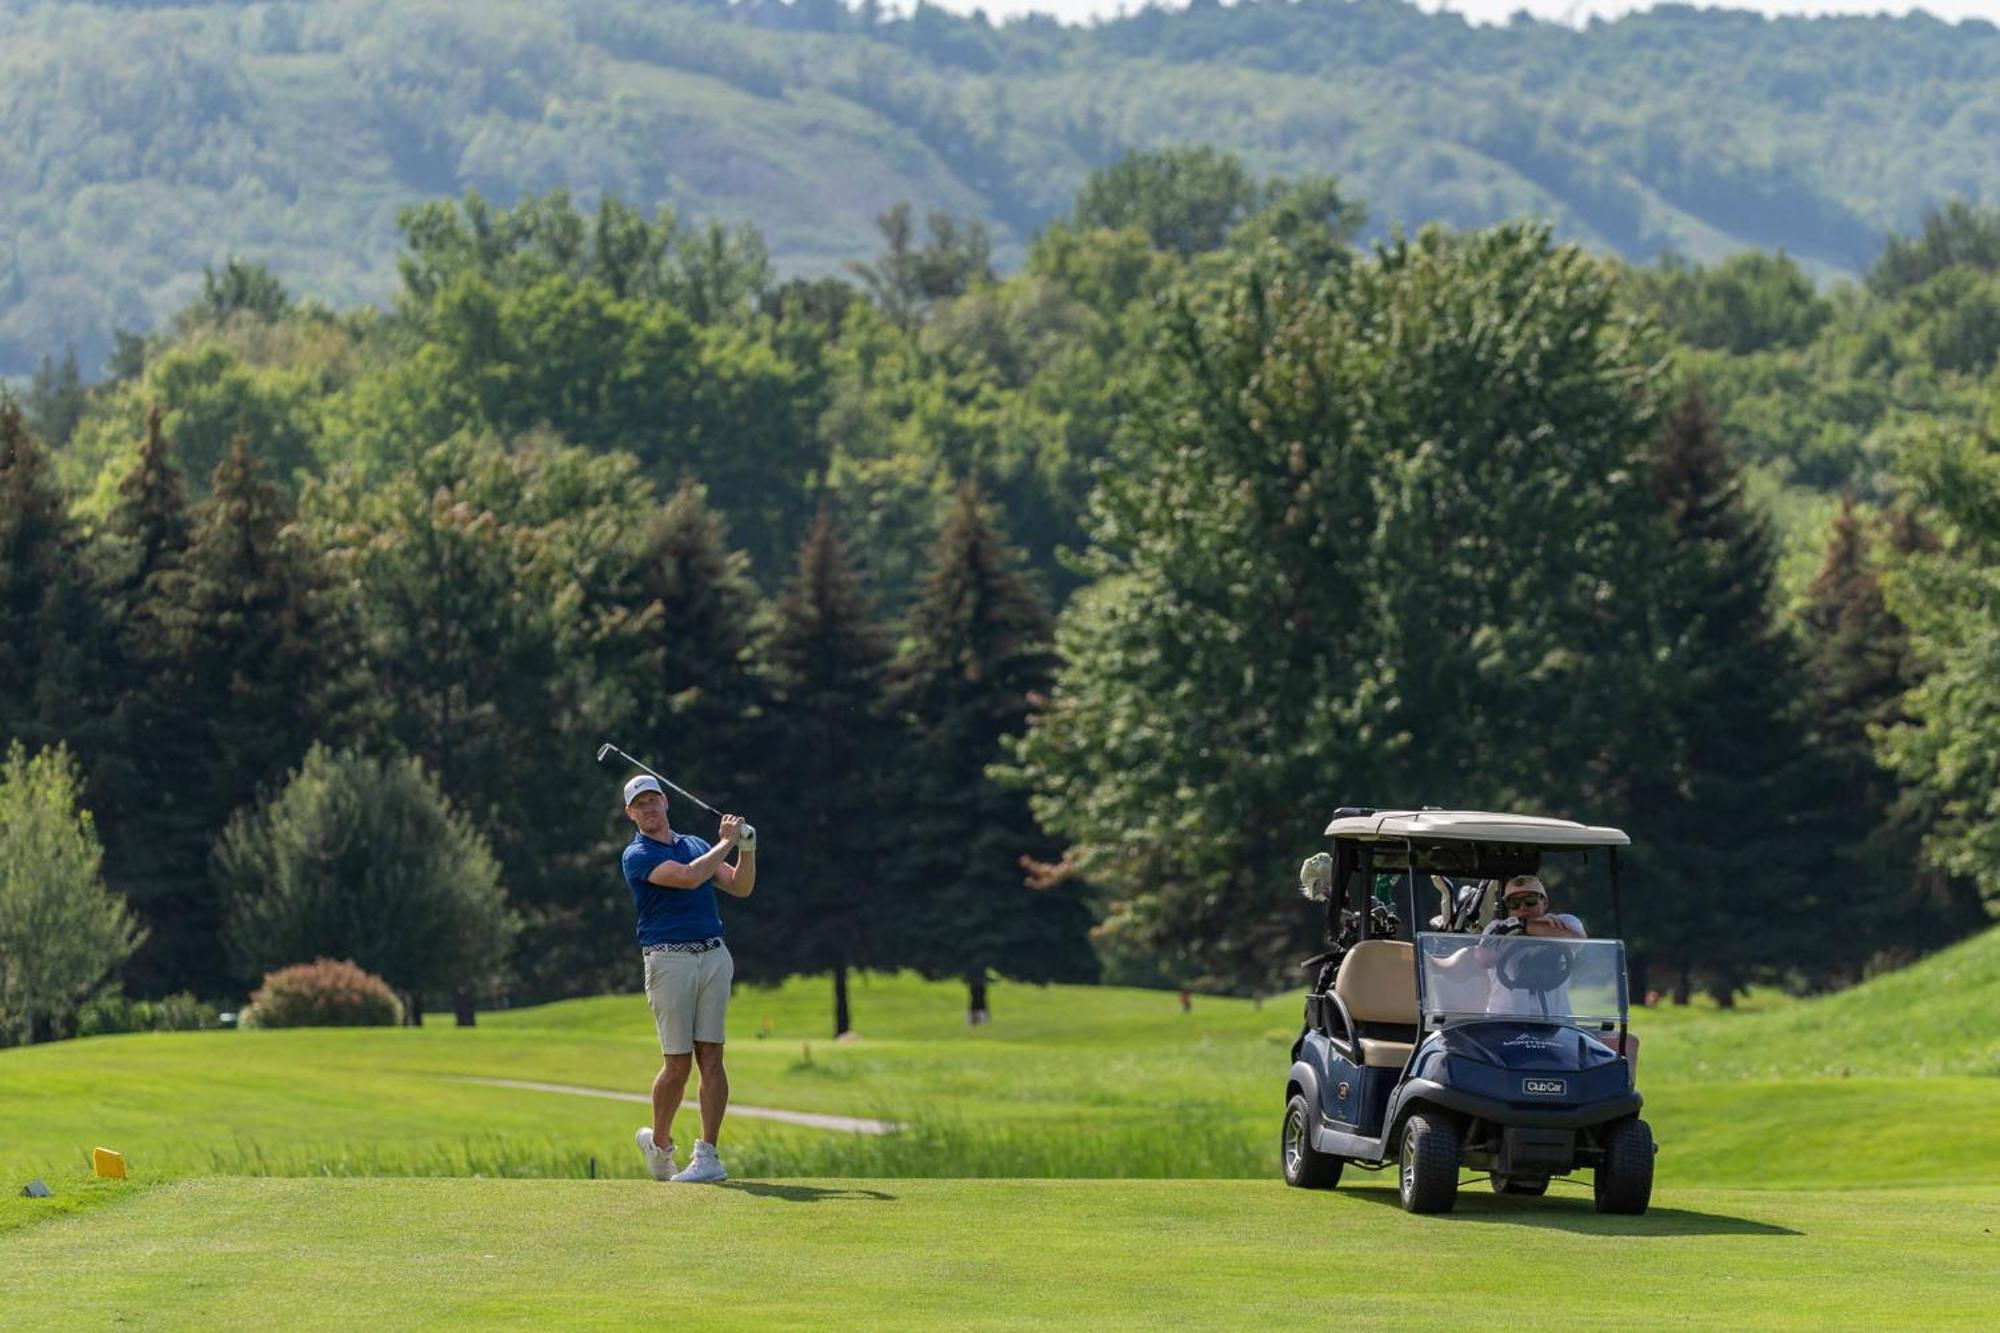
(140, 140)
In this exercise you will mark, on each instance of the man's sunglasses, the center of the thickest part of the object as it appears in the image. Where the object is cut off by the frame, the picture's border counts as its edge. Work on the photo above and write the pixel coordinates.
(1529, 900)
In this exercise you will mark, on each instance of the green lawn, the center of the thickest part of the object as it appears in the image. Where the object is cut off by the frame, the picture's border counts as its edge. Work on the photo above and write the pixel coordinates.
(993, 1254)
(1850, 1089)
(1833, 1161)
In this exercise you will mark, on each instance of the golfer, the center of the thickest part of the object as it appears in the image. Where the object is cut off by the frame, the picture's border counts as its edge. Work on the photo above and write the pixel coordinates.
(673, 877)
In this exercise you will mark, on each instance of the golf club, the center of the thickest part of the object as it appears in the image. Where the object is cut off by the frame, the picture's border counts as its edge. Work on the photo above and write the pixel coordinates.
(609, 748)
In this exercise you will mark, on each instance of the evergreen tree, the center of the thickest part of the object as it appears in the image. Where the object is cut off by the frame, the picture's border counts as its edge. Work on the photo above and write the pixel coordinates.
(1729, 871)
(143, 538)
(56, 399)
(146, 532)
(1856, 657)
(705, 701)
(251, 662)
(827, 762)
(51, 626)
(978, 651)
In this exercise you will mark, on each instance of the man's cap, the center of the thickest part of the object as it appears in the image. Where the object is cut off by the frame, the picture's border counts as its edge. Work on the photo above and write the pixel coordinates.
(643, 783)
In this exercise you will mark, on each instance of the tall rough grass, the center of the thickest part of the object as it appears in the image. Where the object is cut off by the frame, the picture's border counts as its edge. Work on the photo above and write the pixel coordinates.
(927, 1147)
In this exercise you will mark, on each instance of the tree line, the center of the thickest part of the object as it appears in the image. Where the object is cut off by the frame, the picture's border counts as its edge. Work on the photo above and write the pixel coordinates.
(1037, 621)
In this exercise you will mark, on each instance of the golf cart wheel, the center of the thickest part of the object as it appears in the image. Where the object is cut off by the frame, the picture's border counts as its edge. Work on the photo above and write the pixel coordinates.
(1625, 1176)
(1530, 1186)
(1427, 1166)
(1306, 1167)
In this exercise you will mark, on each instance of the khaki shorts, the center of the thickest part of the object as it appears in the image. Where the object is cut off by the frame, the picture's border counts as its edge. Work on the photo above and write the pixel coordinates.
(689, 993)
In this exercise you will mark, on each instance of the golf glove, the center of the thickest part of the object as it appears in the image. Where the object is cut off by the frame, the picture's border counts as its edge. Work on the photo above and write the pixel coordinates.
(746, 838)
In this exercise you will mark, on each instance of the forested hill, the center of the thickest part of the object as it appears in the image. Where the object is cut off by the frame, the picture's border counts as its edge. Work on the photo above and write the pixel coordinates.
(140, 141)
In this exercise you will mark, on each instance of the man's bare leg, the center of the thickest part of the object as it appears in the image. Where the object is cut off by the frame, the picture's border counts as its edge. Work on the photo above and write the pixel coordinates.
(714, 1089)
(668, 1087)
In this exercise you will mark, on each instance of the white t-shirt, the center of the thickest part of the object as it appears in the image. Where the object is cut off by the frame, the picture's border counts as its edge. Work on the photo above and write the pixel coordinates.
(1503, 999)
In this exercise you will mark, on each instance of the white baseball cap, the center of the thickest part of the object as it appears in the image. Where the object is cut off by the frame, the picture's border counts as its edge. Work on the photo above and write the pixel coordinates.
(643, 783)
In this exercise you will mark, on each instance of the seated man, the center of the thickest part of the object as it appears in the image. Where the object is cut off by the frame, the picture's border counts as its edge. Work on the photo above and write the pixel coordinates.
(1525, 903)
(1524, 900)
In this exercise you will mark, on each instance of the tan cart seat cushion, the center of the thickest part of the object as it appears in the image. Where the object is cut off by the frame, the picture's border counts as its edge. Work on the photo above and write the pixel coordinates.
(1379, 1054)
(1378, 982)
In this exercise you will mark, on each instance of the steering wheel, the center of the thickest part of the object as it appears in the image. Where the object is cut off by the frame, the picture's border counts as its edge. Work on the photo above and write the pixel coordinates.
(1539, 966)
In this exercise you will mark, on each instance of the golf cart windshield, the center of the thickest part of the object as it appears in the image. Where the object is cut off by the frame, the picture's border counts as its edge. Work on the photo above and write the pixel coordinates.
(1576, 982)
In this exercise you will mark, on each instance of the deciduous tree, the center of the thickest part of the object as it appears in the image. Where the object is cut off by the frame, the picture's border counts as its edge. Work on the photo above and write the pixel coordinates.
(62, 932)
(365, 859)
(1387, 542)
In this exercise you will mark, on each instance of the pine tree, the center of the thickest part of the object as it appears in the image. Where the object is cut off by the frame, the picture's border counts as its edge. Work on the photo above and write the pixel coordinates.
(51, 626)
(978, 651)
(827, 761)
(1730, 867)
(146, 531)
(703, 713)
(56, 399)
(143, 538)
(251, 661)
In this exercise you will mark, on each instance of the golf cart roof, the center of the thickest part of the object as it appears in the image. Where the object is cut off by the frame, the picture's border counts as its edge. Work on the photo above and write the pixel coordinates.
(1471, 826)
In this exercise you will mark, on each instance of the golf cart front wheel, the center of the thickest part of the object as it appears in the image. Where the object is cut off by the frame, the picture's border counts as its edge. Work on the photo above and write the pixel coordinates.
(1529, 1186)
(1427, 1166)
(1306, 1167)
(1625, 1176)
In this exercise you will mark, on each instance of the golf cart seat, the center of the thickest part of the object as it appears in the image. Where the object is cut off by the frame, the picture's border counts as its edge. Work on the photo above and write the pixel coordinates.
(1378, 986)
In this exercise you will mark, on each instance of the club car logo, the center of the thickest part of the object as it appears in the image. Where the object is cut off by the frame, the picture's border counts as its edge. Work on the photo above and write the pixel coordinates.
(1544, 1087)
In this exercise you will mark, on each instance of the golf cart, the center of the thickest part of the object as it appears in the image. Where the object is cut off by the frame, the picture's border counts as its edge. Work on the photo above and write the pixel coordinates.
(1455, 1047)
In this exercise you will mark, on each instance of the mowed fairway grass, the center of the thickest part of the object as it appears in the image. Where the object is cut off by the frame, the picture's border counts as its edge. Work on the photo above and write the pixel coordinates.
(1824, 1162)
(992, 1254)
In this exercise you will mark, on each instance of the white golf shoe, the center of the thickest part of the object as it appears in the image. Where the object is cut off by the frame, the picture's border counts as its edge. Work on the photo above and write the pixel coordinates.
(704, 1167)
(659, 1161)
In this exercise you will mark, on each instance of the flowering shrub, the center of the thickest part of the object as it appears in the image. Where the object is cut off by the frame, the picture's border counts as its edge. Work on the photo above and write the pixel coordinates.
(323, 994)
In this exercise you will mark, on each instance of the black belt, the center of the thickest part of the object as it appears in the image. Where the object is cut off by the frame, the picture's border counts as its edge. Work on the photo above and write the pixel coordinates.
(683, 946)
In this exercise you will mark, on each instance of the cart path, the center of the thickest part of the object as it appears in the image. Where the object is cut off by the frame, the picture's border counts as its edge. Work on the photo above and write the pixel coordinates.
(812, 1120)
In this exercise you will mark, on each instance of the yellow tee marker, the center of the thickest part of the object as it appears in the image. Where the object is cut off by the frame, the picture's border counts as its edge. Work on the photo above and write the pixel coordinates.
(107, 1164)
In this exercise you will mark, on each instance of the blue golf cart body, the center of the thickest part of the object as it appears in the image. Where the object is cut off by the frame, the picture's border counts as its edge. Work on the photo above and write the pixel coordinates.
(1451, 1048)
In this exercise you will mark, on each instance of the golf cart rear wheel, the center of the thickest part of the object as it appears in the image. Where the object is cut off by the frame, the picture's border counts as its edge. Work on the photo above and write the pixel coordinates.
(1625, 1176)
(1427, 1166)
(1531, 1186)
(1306, 1166)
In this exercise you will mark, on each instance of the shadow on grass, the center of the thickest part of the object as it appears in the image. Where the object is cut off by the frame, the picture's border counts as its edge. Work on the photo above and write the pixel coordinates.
(1556, 1212)
(799, 1193)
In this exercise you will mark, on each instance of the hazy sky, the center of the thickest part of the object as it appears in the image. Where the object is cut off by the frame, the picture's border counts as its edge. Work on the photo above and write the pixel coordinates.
(1497, 11)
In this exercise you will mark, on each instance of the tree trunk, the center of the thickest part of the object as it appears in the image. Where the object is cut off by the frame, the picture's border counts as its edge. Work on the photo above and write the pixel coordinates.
(413, 1009)
(976, 1012)
(462, 1006)
(1637, 973)
(1683, 985)
(841, 1018)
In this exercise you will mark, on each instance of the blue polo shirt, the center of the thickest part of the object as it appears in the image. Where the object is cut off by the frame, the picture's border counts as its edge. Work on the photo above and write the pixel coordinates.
(668, 916)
